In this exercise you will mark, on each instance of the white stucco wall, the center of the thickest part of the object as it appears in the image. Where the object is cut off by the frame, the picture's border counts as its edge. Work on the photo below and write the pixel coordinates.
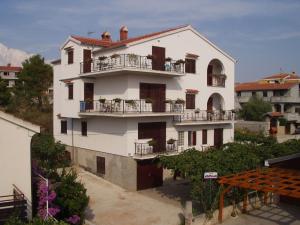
(15, 160)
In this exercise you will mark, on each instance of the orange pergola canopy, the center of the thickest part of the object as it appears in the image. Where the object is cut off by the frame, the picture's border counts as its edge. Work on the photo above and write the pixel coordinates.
(280, 181)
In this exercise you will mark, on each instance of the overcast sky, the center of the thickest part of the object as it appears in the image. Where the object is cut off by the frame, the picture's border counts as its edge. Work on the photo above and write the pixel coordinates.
(263, 35)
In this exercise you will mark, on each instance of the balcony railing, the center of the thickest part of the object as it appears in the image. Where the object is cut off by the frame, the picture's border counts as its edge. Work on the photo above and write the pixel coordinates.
(205, 115)
(123, 106)
(144, 149)
(130, 61)
(216, 80)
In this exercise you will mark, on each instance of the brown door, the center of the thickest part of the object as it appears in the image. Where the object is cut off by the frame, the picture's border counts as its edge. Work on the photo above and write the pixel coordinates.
(156, 131)
(209, 75)
(89, 95)
(149, 174)
(87, 60)
(210, 104)
(218, 137)
(158, 58)
(155, 92)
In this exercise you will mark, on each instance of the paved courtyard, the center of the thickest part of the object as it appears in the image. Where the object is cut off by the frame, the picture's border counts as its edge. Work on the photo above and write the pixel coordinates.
(112, 205)
(268, 215)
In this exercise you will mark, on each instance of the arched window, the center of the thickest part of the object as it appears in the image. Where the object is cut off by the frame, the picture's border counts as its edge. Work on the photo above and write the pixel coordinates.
(215, 74)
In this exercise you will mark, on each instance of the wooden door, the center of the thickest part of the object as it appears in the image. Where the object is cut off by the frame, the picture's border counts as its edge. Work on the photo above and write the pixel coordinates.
(156, 131)
(89, 95)
(218, 137)
(149, 174)
(155, 92)
(209, 75)
(210, 104)
(87, 60)
(158, 58)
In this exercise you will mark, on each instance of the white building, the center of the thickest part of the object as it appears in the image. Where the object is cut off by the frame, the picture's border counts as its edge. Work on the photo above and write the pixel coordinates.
(9, 73)
(15, 159)
(112, 97)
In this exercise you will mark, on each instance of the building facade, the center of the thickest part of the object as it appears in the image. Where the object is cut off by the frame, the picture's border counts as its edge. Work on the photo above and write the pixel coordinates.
(283, 92)
(9, 74)
(118, 104)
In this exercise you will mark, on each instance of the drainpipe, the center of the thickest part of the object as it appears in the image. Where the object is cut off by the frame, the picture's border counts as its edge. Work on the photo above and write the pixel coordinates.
(73, 148)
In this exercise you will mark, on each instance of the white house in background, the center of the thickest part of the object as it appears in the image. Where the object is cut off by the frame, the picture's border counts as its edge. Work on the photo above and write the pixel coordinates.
(111, 98)
(9, 73)
(15, 158)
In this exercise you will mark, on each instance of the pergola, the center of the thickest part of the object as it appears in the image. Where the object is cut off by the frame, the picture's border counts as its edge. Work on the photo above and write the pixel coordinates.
(280, 181)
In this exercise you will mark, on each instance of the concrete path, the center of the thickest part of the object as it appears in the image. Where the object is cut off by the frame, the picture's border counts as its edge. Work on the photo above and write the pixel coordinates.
(282, 214)
(112, 205)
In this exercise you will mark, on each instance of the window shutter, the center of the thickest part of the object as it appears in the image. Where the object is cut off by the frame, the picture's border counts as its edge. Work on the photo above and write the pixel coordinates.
(190, 65)
(190, 101)
(70, 56)
(83, 128)
(100, 165)
(194, 138)
(204, 137)
(70, 91)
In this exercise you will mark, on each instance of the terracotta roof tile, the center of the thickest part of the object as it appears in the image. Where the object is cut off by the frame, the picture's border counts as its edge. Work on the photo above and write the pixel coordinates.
(92, 41)
(254, 86)
(102, 43)
(11, 68)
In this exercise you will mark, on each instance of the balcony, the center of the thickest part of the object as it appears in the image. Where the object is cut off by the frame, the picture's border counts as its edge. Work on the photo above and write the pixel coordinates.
(145, 150)
(285, 99)
(132, 63)
(204, 117)
(216, 80)
(129, 108)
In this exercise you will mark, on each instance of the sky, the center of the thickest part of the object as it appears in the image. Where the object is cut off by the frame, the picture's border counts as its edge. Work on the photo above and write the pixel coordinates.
(263, 35)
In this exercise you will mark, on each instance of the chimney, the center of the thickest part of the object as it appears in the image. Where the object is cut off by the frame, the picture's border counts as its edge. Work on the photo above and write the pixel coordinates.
(123, 33)
(106, 36)
(8, 64)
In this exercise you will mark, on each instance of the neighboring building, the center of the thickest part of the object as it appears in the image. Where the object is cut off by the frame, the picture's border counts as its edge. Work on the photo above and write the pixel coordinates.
(9, 73)
(283, 92)
(15, 161)
(111, 98)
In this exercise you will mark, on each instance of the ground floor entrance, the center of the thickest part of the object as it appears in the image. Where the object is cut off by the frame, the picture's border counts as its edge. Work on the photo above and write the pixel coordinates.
(149, 174)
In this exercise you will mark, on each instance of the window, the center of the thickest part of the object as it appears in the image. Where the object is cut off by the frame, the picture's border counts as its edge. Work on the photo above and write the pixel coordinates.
(180, 138)
(70, 56)
(190, 65)
(70, 91)
(238, 94)
(100, 165)
(265, 93)
(253, 93)
(204, 137)
(192, 136)
(83, 128)
(6, 73)
(63, 126)
(190, 101)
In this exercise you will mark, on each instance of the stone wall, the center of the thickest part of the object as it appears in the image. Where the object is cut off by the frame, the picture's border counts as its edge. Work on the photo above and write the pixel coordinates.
(254, 126)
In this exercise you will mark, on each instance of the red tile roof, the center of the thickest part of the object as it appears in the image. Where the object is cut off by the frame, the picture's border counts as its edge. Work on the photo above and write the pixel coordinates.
(102, 43)
(254, 86)
(282, 76)
(92, 41)
(10, 68)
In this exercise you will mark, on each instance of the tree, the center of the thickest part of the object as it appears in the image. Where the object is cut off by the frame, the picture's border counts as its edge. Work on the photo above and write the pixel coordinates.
(34, 80)
(4, 93)
(255, 109)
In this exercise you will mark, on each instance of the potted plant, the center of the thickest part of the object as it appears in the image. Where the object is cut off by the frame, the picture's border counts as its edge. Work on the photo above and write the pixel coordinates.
(179, 101)
(171, 141)
(197, 111)
(117, 100)
(132, 57)
(113, 56)
(148, 100)
(152, 142)
(102, 100)
(101, 58)
(149, 56)
(180, 61)
(168, 59)
(168, 101)
(130, 102)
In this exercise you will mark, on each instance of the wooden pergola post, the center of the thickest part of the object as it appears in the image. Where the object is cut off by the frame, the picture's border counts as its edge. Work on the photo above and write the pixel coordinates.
(266, 198)
(221, 205)
(245, 202)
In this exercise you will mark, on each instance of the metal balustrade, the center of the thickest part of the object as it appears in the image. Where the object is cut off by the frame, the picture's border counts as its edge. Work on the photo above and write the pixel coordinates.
(130, 61)
(204, 115)
(144, 149)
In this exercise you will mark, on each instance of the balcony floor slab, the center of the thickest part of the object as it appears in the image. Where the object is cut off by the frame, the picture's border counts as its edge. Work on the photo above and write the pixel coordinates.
(128, 115)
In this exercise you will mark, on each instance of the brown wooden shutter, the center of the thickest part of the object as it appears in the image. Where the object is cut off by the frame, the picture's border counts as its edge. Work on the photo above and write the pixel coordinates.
(100, 165)
(87, 60)
(190, 65)
(83, 128)
(204, 137)
(70, 56)
(190, 101)
(63, 126)
(158, 58)
(70, 91)
(194, 138)
(209, 75)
